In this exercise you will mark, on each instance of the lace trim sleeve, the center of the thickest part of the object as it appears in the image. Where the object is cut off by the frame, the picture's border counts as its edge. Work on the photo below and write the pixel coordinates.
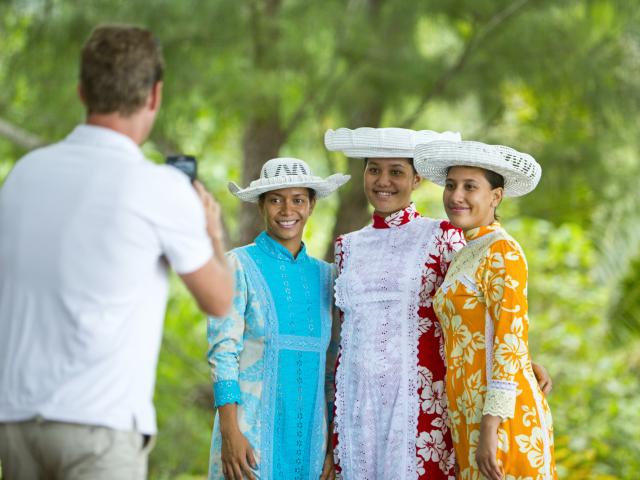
(226, 391)
(501, 399)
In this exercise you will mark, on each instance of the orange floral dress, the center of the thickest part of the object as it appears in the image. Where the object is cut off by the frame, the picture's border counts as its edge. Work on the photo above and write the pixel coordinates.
(482, 306)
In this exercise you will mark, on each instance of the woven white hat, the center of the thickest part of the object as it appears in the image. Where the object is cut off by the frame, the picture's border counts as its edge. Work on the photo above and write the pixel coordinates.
(285, 172)
(520, 171)
(366, 142)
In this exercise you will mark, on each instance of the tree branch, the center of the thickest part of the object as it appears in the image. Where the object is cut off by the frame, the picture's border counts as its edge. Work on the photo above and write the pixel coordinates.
(20, 137)
(440, 85)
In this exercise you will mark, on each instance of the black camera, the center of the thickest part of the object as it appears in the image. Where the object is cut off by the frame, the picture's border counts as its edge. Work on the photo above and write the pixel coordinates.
(185, 163)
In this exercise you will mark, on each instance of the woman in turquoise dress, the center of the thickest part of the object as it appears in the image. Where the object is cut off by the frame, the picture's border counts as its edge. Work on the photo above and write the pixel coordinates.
(269, 355)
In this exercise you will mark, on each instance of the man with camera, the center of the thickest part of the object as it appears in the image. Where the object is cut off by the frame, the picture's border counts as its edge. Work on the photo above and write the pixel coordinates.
(88, 228)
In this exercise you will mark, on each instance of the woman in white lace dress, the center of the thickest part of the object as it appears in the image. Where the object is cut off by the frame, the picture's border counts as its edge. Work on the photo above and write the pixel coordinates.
(390, 404)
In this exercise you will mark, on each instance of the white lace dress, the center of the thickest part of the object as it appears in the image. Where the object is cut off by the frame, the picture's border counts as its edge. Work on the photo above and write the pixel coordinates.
(379, 290)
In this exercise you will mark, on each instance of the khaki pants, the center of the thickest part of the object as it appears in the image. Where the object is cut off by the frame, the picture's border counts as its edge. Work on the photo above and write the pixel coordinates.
(42, 450)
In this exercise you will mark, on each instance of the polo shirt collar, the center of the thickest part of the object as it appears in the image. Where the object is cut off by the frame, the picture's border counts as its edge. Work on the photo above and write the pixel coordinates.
(105, 138)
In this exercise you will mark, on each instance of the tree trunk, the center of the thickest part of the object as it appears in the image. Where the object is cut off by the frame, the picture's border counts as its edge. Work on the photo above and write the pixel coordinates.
(262, 140)
(264, 133)
(353, 207)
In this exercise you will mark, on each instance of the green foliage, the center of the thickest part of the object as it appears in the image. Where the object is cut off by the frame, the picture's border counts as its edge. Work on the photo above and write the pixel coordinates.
(596, 396)
(183, 399)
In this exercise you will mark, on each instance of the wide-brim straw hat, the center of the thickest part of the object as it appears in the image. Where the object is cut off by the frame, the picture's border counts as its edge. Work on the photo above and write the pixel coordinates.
(287, 172)
(366, 142)
(520, 171)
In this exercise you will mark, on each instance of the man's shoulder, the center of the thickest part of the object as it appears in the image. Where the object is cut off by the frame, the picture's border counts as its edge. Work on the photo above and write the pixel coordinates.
(31, 158)
(169, 176)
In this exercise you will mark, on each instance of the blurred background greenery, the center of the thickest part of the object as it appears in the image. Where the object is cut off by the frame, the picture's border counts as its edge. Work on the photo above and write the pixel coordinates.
(248, 80)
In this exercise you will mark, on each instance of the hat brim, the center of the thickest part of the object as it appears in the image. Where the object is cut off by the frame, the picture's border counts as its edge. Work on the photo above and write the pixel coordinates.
(520, 171)
(367, 142)
(322, 187)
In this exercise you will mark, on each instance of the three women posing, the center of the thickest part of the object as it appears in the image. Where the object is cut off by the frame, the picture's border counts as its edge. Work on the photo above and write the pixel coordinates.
(393, 420)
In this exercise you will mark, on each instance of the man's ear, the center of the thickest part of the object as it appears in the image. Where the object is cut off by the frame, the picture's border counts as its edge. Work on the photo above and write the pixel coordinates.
(312, 205)
(155, 96)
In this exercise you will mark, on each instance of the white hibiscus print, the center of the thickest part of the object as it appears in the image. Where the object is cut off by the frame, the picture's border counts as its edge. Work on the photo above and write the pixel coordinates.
(433, 398)
(425, 377)
(440, 422)
(533, 446)
(461, 336)
(447, 462)
(474, 438)
(471, 401)
(424, 324)
(431, 445)
(511, 353)
(454, 420)
(471, 474)
(429, 285)
(449, 241)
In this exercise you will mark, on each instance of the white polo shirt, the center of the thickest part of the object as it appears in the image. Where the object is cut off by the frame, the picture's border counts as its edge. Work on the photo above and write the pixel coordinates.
(85, 225)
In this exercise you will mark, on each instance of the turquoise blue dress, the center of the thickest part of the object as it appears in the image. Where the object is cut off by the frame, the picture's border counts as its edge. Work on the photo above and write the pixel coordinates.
(273, 355)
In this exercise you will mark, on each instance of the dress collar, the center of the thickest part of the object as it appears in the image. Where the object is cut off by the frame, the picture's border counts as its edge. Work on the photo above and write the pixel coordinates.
(274, 249)
(479, 232)
(396, 219)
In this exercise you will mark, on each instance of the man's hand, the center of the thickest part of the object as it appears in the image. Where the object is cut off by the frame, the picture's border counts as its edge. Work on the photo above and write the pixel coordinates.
(543, 378)
(212, 212)
(328, 469)
(212, 284)
(488, 448)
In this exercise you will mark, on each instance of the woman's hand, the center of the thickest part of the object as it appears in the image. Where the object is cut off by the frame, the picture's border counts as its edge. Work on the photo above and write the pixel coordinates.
(237, 454)
(329, 469)
(237, 457)
(543, 378)
(488, 448)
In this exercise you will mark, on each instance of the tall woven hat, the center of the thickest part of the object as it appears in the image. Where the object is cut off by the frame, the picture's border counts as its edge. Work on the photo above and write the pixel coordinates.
(286, 172)
(366, 142)
(520, 171)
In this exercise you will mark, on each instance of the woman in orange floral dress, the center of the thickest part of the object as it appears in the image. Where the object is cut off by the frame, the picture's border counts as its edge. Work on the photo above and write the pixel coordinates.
(500, 421)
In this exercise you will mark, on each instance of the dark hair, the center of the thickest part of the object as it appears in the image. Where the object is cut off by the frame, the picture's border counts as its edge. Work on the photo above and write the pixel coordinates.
(405, 158)
(119, 66)
(495, 179)
(312, 195)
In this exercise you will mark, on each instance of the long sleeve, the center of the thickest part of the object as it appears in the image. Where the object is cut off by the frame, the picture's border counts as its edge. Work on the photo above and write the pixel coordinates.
(504, 281)
(225, 336)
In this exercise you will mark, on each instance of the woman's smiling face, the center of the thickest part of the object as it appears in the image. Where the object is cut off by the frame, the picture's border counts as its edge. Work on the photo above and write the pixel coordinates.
(469, 199)
(388, 184)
